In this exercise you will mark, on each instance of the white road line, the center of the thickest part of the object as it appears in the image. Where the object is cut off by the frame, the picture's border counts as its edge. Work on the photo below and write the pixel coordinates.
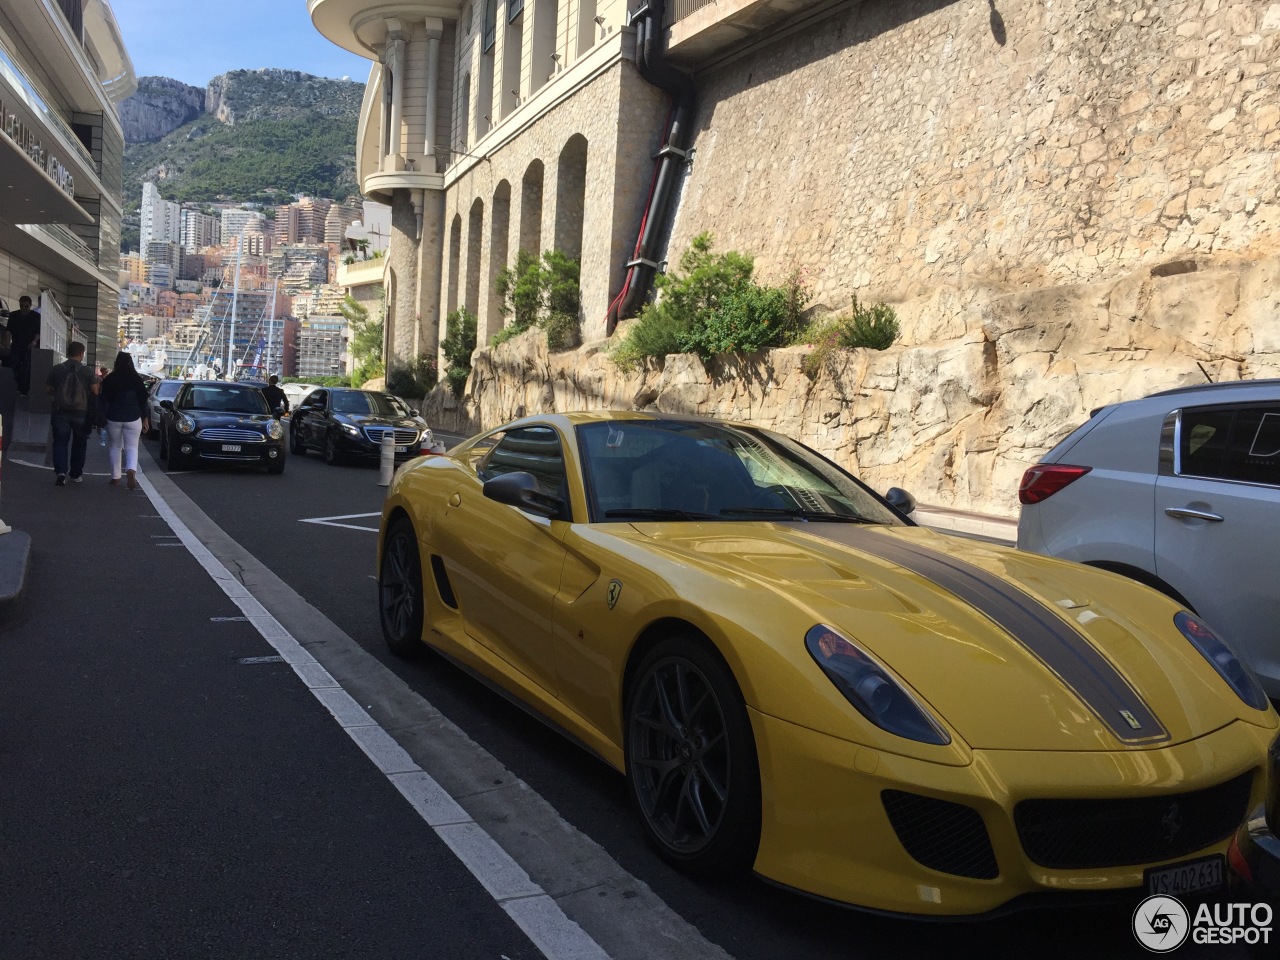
(329, 521)
(525, 902)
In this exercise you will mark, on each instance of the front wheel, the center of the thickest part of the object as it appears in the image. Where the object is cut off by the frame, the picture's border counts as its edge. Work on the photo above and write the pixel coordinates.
(691, 759)
(296, 446)
(400, 600)
(331, 455)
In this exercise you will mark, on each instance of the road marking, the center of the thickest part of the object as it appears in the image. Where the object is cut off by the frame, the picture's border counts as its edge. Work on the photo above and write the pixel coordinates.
(228, 619)
(41, 466)
(525, 902)
(259, 659)
(329, 521)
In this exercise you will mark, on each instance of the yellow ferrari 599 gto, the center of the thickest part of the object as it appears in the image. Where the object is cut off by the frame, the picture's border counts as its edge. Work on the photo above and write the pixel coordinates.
(797, 680)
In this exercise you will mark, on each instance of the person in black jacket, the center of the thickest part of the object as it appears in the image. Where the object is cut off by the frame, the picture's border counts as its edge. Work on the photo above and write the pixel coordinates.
(275, 397)
(124, 397)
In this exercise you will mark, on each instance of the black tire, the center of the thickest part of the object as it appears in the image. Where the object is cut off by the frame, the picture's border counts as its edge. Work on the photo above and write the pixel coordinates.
(176, 460)
(164, 446)
(691, 759)
(276, 468)
(331, 455)
(296, 446)
(401, 605)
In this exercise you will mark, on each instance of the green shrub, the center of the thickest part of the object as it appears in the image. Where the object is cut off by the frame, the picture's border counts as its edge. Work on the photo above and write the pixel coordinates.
(874, 327)
(712, 305)
(458, 345)
(414, 379)
(542, 293)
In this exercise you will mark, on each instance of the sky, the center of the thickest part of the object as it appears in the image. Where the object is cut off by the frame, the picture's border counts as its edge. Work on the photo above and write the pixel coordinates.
(194, 41)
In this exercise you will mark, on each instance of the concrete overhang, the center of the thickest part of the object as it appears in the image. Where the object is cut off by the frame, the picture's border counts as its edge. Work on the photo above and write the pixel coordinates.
(27, 195)
(721, 25)
(360, 25)
(34, 246)
(380, 186)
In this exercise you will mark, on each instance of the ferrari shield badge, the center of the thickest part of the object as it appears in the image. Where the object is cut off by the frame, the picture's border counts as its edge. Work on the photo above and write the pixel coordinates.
(615, 591)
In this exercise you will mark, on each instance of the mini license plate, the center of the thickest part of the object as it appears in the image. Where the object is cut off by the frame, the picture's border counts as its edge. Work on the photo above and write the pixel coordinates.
(231, 448)
(402, 449)
(1189, 876)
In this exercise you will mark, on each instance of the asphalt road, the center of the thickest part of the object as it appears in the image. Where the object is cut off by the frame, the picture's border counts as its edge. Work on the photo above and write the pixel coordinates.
(314, 528)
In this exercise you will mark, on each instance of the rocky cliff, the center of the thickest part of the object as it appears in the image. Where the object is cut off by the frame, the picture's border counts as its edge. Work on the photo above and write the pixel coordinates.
(160, 106)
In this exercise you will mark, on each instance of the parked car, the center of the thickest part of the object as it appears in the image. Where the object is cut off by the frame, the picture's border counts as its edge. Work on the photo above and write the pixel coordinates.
(1180, 491)
(160, 390)
(217, 421)
(797, 680)
(347, 423)
(295, 393)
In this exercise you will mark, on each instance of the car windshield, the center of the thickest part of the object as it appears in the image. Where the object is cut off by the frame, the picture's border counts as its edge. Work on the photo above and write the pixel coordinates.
(168, 389)
(695, 470)
(226, 398)
(376, 404)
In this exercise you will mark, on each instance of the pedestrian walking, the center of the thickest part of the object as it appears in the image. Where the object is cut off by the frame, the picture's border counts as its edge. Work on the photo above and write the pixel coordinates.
(275, 397)
(124, 403)
(24, 331)
(71, 384)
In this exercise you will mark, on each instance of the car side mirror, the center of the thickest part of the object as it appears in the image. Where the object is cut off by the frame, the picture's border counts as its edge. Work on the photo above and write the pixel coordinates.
(900, 500)
(166, 404)
(521, 490)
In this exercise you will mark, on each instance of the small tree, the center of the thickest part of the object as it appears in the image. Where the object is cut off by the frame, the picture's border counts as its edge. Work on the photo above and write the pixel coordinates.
(458, 345)
(366, 339)
(543, 293)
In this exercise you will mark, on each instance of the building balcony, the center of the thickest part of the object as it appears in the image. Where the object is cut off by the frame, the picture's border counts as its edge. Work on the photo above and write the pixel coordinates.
(702, 30)
(361, 273)
(360, 25)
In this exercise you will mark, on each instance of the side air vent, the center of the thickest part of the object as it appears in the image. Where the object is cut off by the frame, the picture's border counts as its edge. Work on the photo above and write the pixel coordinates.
(944, 836)
(442, 582)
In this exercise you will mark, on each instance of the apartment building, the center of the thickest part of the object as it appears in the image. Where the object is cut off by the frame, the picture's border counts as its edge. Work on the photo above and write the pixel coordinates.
(159, 220)
(322, 347)
(63, 70)
(237, 220)
(200, 230)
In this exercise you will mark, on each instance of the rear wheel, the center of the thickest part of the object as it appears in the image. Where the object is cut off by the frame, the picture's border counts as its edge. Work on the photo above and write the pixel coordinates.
(400, 600)
(691, 759)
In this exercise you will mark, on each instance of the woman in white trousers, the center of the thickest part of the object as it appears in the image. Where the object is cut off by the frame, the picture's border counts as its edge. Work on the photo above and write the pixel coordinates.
(124, 396)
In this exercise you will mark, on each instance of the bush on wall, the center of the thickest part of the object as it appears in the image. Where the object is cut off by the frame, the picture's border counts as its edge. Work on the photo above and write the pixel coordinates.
(874, 327)
(458, 344)
(712, 305)
(544, 293)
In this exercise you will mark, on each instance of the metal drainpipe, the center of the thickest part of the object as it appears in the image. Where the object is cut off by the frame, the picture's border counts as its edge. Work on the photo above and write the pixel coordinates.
(650, 45)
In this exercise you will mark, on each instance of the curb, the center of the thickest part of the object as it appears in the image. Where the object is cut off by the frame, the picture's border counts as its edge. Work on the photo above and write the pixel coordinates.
(980, 525)
(15, 560)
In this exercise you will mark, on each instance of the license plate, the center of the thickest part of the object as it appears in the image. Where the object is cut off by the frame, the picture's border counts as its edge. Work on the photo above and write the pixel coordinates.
(402, 449)
(1189, 876)
(231, 448)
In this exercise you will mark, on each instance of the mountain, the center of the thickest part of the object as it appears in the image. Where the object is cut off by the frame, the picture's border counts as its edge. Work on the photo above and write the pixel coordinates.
(250, 136)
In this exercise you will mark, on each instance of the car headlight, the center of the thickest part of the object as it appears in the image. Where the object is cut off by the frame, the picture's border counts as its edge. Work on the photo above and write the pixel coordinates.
(350, 429)
(1238, 676)
(184, 424)
(274, 430)
(869, 687)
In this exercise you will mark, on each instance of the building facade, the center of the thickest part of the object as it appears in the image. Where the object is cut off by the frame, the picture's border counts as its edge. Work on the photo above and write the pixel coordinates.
(159, 220)
(200, 230)
(63, 71)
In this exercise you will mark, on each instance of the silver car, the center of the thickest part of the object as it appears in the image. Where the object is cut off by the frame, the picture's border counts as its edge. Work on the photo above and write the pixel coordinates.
(160, 390)
(1180, 491)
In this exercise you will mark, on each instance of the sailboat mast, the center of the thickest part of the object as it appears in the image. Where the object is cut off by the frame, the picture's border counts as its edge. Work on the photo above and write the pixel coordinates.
(235, 296)
(271, 329)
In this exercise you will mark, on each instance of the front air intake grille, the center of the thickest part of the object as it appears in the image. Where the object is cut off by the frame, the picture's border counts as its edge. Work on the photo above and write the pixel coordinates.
(403, 437)
(1088, 834)
(231, 435)
(944, 836)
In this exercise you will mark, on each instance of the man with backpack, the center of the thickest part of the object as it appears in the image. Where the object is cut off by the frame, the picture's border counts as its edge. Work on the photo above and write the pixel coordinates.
(74, 389)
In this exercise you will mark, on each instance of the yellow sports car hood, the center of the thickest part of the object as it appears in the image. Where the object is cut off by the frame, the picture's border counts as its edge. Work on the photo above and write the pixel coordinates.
(1014, 651)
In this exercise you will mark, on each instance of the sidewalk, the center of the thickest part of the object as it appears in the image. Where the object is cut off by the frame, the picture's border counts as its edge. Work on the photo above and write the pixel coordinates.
(26, 465)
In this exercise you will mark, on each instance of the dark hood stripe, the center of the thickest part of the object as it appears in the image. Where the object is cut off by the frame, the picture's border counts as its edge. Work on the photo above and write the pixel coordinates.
(1046, 635)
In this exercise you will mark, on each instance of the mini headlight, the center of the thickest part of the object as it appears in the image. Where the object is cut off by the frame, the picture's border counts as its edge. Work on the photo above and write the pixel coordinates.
(274, 430)
(869, 687)
(184, 424)
(1239, 677)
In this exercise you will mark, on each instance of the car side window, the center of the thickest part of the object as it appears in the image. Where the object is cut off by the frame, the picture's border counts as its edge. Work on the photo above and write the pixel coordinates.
(534, 450)
(318, 398)
(1231, 443)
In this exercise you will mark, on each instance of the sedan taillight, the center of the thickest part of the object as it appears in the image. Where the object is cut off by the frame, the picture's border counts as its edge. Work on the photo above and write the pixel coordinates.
(1045, 479)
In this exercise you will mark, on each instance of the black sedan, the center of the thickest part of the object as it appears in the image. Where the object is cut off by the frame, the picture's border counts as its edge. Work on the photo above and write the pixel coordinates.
(214, 421)
(342, 423)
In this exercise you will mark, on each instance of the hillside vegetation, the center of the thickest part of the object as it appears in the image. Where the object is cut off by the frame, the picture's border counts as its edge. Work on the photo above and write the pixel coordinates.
(263, 136)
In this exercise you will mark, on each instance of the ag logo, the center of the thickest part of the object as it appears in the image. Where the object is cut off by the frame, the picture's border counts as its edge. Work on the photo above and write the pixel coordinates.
(1161, 924)
(615, 591)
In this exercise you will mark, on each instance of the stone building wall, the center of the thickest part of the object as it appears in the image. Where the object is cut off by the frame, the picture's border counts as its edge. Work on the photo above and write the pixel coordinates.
(1068, 204)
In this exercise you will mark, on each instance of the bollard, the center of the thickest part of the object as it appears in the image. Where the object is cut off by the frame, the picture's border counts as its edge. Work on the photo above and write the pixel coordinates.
(388, 463)
(4, 527)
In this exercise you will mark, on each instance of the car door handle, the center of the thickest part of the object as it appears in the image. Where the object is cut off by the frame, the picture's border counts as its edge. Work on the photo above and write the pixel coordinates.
(1186, 513)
